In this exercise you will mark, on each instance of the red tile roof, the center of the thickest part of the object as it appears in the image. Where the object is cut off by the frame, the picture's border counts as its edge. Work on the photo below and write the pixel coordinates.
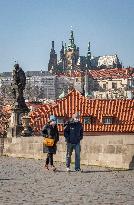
(112, 73)
(102, 73)
(121, 110)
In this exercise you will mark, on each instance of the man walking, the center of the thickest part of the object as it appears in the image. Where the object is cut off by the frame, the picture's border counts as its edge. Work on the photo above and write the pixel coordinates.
(73, 133)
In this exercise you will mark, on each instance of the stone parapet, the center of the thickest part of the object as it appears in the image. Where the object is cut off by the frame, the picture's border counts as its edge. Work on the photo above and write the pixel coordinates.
(115, 151)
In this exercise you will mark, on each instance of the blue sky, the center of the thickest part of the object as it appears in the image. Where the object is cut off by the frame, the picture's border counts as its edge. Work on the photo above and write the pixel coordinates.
(27, 28)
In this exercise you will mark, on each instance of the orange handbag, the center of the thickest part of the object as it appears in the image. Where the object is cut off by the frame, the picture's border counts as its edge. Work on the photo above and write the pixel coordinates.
(48, 142)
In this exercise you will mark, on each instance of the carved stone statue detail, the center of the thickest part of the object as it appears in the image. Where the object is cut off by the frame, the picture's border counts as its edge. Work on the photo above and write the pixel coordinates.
(18, 86)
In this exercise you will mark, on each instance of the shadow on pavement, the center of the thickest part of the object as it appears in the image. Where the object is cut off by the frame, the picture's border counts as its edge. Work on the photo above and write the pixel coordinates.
(94, 171)
(5, 179)
(91, 171)
(112, 170)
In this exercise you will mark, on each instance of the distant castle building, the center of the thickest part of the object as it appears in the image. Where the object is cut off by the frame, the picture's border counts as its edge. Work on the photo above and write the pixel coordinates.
(70, 59)
(111, 61)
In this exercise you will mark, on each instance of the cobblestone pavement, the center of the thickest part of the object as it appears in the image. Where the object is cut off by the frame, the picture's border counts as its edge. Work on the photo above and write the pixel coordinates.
(25, 182)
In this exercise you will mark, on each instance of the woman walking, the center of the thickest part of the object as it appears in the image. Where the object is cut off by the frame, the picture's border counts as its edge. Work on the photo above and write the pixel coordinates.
(51, 137)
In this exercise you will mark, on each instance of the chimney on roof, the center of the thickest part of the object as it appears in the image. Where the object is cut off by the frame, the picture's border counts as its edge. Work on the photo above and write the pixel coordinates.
(127, 71)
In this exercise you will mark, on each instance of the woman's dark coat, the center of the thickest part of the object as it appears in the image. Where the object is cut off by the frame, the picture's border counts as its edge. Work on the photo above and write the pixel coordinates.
(52, 132)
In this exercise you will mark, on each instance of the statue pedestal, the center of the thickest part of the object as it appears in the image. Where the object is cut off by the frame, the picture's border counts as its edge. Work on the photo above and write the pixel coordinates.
(15, 126)
(27, 131)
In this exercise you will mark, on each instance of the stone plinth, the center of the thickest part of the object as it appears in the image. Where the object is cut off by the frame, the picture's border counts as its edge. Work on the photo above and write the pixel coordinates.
(15, 126)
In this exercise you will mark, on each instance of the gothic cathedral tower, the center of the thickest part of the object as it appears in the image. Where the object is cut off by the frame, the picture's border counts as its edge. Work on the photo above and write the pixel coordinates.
(53, 59)
(71, 53)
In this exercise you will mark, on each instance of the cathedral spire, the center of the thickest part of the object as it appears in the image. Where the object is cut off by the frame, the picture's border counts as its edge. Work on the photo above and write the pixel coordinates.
(71, 44)
(62, 52)
(62, 45)
(89, 51)
(65, 47)
(52, 45)
(72, 34)
(53, 58)
(88, 63)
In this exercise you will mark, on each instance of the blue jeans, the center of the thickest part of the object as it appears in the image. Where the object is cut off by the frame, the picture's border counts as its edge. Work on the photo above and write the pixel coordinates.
(70, 148)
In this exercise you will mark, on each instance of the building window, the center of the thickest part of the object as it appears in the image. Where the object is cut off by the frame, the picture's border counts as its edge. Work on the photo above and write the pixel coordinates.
(132, 82)
(77, 80)
(108, 120)
(114, 85)
(60, 120)
(87, 120)
(104, 86)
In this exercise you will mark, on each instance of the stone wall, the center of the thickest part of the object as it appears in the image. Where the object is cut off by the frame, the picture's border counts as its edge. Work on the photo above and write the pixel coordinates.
(115, 151)
(1, 145)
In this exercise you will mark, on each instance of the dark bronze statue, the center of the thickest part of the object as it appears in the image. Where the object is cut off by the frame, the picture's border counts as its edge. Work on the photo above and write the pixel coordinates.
(18, 86)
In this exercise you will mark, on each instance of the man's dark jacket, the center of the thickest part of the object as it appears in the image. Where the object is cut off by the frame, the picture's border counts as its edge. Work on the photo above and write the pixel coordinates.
(73, 132)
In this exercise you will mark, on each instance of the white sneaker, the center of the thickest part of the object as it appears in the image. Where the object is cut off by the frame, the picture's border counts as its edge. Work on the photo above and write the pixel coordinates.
(68, 169)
